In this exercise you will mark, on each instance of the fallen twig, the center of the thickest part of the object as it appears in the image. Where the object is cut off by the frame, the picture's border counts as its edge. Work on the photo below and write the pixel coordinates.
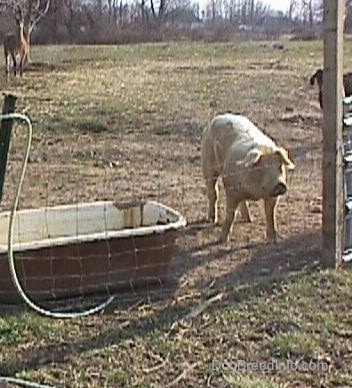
(182, 322)
(183, 374)
(199, 309)
(156, 367)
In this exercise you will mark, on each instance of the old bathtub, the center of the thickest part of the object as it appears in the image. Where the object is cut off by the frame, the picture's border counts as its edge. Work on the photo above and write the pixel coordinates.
(74, 250)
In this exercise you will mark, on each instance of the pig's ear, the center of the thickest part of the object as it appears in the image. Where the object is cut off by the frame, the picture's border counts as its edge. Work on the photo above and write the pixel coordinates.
(251, 159)
(285, 158)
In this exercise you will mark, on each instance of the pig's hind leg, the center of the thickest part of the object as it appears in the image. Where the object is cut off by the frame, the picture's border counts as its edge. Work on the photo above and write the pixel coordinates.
(243, 209)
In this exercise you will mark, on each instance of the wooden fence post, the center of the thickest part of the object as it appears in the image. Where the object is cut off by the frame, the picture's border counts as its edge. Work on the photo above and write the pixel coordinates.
(333, 198)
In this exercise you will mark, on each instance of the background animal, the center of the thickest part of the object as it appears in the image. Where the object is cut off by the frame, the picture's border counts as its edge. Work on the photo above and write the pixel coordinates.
(251, 165)
(317, 77)
(16, 43)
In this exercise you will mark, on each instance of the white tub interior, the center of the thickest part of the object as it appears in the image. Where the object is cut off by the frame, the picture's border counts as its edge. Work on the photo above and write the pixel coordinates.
(86, 221)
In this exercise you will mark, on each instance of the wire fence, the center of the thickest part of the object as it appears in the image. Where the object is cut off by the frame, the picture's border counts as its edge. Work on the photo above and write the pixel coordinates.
(166, 169)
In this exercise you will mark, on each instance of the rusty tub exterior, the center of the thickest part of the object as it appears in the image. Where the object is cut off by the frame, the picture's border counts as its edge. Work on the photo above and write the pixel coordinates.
(88, 248)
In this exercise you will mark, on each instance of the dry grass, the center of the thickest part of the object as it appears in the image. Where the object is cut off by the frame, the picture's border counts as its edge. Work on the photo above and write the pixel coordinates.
(125, 122)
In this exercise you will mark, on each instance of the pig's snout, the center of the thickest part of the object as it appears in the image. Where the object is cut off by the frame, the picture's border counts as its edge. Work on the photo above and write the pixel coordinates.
(279, 189)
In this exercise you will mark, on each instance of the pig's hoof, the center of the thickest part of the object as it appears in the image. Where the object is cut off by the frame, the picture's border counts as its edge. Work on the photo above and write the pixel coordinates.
(272, 240)
(214, 221)
(223, 239)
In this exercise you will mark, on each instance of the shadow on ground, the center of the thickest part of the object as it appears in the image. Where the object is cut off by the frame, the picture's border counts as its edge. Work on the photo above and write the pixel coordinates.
(258, 275)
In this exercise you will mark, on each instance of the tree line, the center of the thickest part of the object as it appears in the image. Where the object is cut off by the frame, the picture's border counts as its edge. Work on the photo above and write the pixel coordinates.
(127, 21)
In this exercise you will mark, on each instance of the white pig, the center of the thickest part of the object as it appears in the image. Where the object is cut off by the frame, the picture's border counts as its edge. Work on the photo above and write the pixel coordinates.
(251, 165)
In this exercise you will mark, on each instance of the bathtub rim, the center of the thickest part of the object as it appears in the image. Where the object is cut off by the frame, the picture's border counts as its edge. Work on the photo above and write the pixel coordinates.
(179, 223)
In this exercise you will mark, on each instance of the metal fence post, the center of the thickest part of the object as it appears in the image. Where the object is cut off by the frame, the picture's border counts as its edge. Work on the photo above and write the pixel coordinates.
(5, 137)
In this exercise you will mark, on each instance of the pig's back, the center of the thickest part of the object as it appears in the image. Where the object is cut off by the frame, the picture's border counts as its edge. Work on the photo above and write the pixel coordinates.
(238, 133)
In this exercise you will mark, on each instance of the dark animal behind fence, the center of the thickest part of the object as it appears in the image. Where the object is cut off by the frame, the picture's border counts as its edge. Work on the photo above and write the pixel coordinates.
(318, 78)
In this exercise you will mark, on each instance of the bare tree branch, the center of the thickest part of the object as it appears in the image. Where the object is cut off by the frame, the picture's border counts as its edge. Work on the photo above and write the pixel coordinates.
(37, 13)
(30, 11)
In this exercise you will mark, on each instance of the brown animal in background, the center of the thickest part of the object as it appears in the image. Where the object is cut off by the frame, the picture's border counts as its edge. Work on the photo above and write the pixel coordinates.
(16, 44)
(318, 78)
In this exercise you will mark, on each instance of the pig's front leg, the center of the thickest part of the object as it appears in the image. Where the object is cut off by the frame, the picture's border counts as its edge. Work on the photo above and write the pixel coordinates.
(269, 205)
(212, 194)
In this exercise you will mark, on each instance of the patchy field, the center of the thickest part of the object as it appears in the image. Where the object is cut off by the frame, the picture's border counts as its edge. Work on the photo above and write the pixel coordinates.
(125, 122)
